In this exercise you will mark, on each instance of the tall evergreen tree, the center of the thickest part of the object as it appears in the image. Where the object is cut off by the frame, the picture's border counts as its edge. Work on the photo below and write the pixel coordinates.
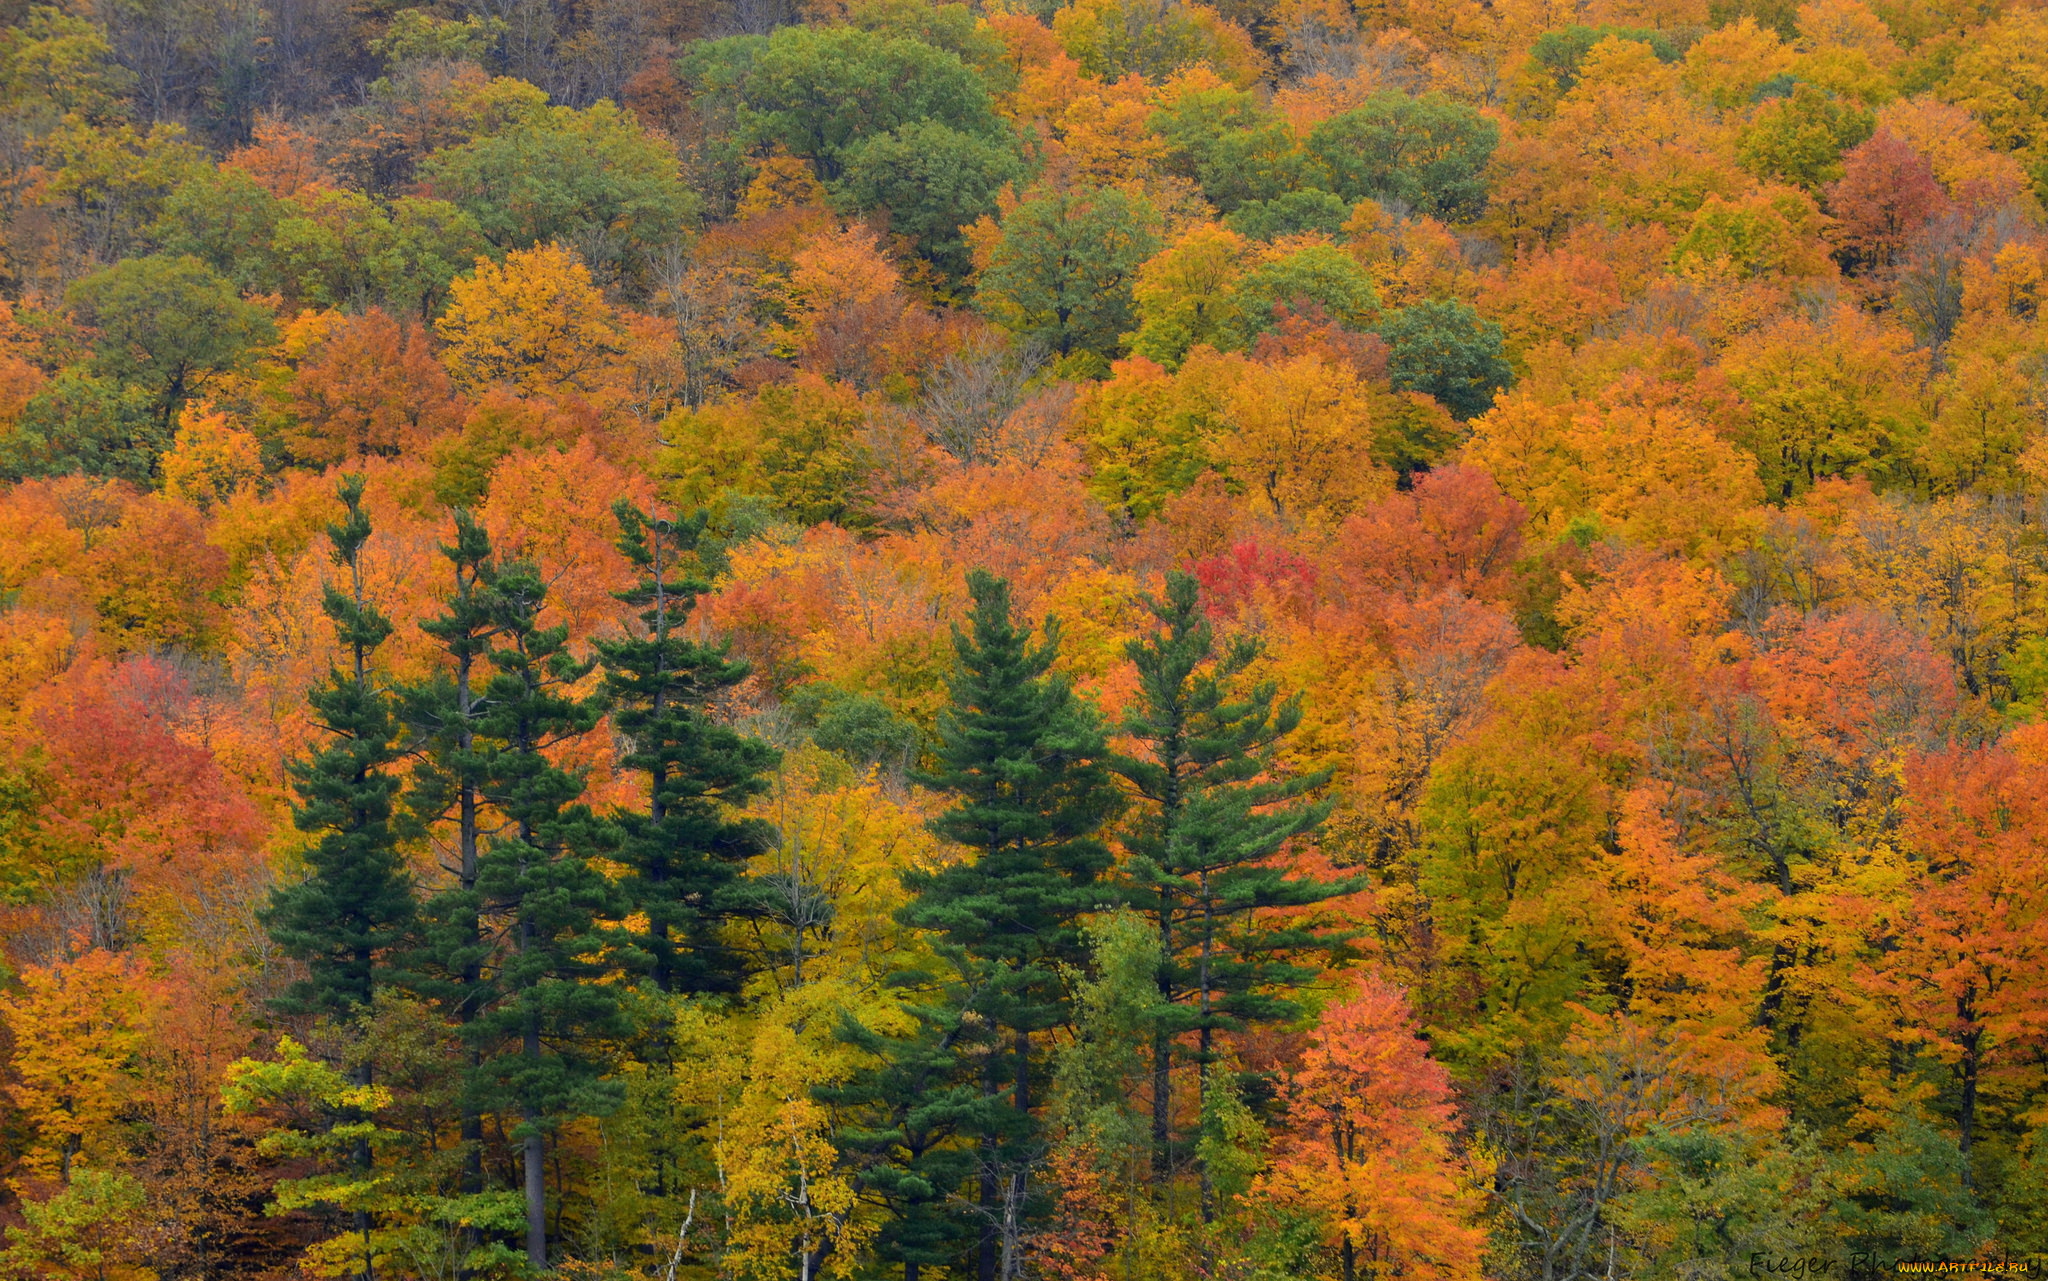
(1023, 757)
(356, 903)
(347, 918)
(448, 965)
(905, 1116)
(686, 852)
(1215, 804)
(545, 901)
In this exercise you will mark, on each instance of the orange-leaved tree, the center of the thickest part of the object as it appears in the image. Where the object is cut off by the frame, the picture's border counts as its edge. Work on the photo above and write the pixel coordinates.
(78, 1028)
(1370, 1144)
(1971, 974)
(368, 386)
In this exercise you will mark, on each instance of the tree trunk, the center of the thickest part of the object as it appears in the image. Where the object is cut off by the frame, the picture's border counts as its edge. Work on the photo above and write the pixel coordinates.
(664, 968)
(536, 1195)
(985, 1256)
(1162, 1102)
(1202, 1052)
(657, 777)
(1172, 749)
(536, 1166)
(1022, 1098)
(364, 1075)
(470, 1125)
(1966, 1119)
(1013, 1202)
(1162, 1056)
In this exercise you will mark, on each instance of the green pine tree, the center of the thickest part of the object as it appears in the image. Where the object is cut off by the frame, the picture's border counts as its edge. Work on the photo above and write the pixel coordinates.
(1215, 804)
(448, 965)
(355, 907)
(1023, 757)
(904, 1117)
(540, 1039)
(686, 853)
(356, 903)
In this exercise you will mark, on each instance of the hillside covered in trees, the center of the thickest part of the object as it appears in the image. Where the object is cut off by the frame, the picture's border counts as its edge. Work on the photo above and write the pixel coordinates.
(1121, 640)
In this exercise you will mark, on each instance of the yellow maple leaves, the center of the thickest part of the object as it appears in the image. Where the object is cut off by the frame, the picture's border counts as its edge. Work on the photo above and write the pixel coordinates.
(1634, 460)
(211, 459)
(537, 324)
(78, 1028)
(843, 844)
(1301, 440)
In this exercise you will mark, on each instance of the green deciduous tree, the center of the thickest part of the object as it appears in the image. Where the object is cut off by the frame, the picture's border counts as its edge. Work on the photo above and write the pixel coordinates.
(1800, 139)
(92, 1228)
(933, 180)
(226, 219)
(1237, 152)
(1062, 273)
(322, 246)
(169, 326)
(80, 422)
(432, 242)
(818, 92)
(55, 64)
(1446, 349)
(1319, 274)
(592, 179)
(1100, 1077)
(1289, 214)
(1149, 38)
(333, 248)
(1430, 153)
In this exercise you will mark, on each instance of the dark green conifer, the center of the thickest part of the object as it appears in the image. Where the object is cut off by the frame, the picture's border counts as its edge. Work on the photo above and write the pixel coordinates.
(1023, 757)
(542, 1034)
(448, 965)
(905, 1116)
(444, 713)
(356, 903)
(354, 909)
(1215, 804)
(686, 852)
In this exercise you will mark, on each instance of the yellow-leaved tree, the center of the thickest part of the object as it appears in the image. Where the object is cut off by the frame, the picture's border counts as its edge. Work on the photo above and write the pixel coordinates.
(78, 1028)
(1185, 293)
(536, 325)
(1634, 459)
(1300, 440)
(829, 946)
(211, 459)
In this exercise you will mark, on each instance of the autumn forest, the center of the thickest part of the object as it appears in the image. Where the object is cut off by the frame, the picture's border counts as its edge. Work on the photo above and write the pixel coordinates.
(1031, 640)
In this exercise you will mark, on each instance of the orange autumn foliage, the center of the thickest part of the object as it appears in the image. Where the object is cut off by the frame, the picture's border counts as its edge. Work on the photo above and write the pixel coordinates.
(369, 386)
(132, 793)
(78, 1028)
(1369, 1143)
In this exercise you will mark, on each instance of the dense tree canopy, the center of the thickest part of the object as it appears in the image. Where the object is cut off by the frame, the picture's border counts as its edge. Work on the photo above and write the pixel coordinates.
(1100, 640)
